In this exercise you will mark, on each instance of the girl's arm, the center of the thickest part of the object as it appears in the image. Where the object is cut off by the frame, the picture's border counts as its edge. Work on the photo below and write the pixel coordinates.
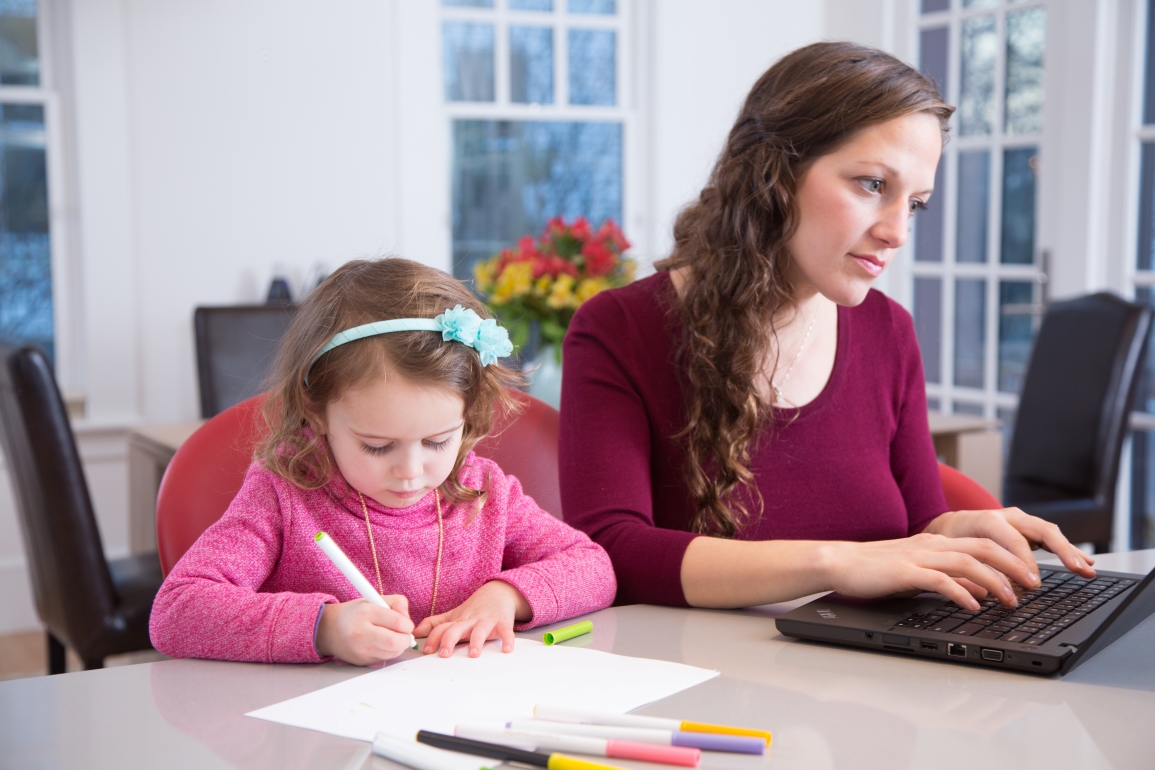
(211, 606)
(559, 570)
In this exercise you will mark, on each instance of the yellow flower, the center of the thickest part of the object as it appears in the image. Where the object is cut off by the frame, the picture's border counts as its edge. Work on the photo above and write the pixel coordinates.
(483, 274)
(515, 281)
(589, 287)
(562, 293)
(541, 286)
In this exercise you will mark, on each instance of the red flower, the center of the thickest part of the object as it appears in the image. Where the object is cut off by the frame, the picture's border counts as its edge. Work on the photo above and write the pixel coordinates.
(555, 226)
(580, 229)
(609, 231)
(599, 259)
(526, 247)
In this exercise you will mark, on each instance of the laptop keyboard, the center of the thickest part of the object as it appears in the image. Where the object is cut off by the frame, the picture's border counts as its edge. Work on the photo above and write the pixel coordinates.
(1062, 600)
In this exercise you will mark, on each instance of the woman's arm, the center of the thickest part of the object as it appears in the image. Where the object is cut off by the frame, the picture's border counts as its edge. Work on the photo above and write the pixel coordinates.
(735, 573)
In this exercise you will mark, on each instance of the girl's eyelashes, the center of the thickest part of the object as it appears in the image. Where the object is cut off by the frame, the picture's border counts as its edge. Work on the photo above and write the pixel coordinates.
(380, 450)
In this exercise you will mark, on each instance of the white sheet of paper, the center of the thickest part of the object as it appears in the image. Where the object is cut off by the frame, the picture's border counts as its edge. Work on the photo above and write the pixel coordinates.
(434, 693)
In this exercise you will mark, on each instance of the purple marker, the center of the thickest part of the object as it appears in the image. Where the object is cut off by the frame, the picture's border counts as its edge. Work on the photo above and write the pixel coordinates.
(736, 744)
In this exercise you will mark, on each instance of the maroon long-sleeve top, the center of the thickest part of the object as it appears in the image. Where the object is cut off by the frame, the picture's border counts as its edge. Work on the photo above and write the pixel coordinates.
(856, 463)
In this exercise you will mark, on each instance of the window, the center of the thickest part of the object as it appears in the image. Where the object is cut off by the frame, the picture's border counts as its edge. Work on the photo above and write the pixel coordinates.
(536, 92)
(26, 303)
(1143, 151)
(977, 277)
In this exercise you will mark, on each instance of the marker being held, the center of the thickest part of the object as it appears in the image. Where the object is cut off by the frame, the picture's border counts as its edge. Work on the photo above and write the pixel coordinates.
(350, 571)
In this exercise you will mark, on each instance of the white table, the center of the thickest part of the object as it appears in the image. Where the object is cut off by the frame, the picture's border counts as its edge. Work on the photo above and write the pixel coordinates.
(828, 707)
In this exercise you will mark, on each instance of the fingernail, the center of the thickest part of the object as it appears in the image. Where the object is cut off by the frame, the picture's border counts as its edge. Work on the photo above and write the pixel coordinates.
(1035, 578)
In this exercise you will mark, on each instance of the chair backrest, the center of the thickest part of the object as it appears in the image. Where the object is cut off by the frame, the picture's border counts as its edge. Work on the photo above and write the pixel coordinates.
(235, 347)
(207, 470)
(964, 493)
(71, 582)
(526, 446)
(204, 476)
(1081, 382)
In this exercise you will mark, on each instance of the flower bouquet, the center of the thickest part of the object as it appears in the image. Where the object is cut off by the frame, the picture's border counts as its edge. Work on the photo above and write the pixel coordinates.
(545, 280)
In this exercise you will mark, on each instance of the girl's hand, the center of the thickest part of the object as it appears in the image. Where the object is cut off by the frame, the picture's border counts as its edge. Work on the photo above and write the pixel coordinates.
(960, 568)
(488, 614)
(362, 633)
(1018, 533)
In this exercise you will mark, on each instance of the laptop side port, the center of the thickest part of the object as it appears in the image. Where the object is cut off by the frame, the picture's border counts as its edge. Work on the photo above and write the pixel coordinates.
(995, 655)
(956, 650)
(928, 645)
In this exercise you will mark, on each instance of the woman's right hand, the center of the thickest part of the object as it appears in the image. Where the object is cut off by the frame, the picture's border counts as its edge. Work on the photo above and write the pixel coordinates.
(962, 569)
(362, 633)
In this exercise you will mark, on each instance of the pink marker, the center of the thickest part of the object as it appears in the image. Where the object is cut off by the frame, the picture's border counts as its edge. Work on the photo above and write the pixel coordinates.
(580, 744)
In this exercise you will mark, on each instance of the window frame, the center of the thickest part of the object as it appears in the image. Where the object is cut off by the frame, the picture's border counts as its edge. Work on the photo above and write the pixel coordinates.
(67, 313)
(629, 21)
(994, 402)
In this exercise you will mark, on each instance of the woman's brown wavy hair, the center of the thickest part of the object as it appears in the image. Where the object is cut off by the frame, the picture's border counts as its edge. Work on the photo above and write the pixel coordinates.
(357, 293)
(731, 244)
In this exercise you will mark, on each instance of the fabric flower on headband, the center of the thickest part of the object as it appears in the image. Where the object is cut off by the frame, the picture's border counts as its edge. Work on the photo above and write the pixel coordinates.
(459, 324)
(486, 337)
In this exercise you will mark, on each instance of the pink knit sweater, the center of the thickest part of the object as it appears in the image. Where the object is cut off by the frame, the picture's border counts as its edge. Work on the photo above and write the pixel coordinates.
(252, 587)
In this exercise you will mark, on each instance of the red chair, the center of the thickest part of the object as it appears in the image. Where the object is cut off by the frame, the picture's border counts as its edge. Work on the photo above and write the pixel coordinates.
(207, 471)
(964, 493)
(203, 478)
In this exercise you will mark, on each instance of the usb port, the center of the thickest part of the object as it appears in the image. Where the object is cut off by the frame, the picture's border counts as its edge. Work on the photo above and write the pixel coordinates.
(929, 645)
(995, 655)
(957, 650)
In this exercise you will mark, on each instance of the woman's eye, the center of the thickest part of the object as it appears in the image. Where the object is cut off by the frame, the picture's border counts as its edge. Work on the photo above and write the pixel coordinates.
(917, 205)
(437, 445)
(871, 185)
(376, 450)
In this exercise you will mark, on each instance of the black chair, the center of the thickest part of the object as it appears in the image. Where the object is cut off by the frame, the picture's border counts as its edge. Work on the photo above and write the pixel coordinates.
(235, 347)
(96, 607)
(1081, 383)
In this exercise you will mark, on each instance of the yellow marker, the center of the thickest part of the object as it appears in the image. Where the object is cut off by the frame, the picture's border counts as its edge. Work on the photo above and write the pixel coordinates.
(578, 716)
(702, 727)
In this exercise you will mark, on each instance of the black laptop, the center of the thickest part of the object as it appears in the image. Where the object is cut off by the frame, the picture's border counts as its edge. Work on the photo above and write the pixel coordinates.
(1055, 627)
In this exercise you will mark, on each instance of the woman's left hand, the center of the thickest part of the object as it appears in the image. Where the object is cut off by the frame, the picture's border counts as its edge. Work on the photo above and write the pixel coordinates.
(1016, 531)
(489, 614)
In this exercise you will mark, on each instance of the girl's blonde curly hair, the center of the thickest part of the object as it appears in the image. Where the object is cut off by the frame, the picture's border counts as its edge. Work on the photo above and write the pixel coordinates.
(357, 293)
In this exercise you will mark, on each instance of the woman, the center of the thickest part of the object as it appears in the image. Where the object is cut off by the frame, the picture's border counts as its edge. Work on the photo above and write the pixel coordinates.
(749, 424)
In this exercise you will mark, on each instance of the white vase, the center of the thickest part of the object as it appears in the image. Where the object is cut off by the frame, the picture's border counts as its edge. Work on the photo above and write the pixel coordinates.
(544, 375)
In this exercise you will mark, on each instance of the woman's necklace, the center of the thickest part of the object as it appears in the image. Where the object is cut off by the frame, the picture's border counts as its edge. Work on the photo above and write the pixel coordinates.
(782, 383)
(440, 543)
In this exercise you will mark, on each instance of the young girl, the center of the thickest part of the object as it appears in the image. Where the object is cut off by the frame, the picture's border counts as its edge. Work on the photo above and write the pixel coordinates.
(385, 381)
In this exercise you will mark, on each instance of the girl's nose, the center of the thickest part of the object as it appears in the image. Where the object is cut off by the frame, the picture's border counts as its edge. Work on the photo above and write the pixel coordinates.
(408, 464)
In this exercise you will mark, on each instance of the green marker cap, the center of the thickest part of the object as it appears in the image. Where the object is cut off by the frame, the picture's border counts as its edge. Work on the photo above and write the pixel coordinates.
(317, 537)
(569, 632)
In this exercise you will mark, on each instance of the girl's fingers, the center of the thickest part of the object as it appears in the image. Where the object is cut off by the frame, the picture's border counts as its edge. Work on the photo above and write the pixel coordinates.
(505, 632)
(433, 638)
(398, 603)
(453, 634)
(478, 637)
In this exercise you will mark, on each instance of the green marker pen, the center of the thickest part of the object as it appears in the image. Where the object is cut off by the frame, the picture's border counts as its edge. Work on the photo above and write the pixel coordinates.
(569, 632)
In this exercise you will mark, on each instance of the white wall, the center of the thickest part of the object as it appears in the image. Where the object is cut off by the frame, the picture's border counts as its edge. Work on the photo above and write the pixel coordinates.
(705, 58)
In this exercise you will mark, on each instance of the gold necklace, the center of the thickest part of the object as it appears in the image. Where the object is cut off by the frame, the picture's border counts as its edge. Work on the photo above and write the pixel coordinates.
(440, 543)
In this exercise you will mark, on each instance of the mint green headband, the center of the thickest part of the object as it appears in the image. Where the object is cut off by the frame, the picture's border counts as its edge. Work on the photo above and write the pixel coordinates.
(461, 324)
